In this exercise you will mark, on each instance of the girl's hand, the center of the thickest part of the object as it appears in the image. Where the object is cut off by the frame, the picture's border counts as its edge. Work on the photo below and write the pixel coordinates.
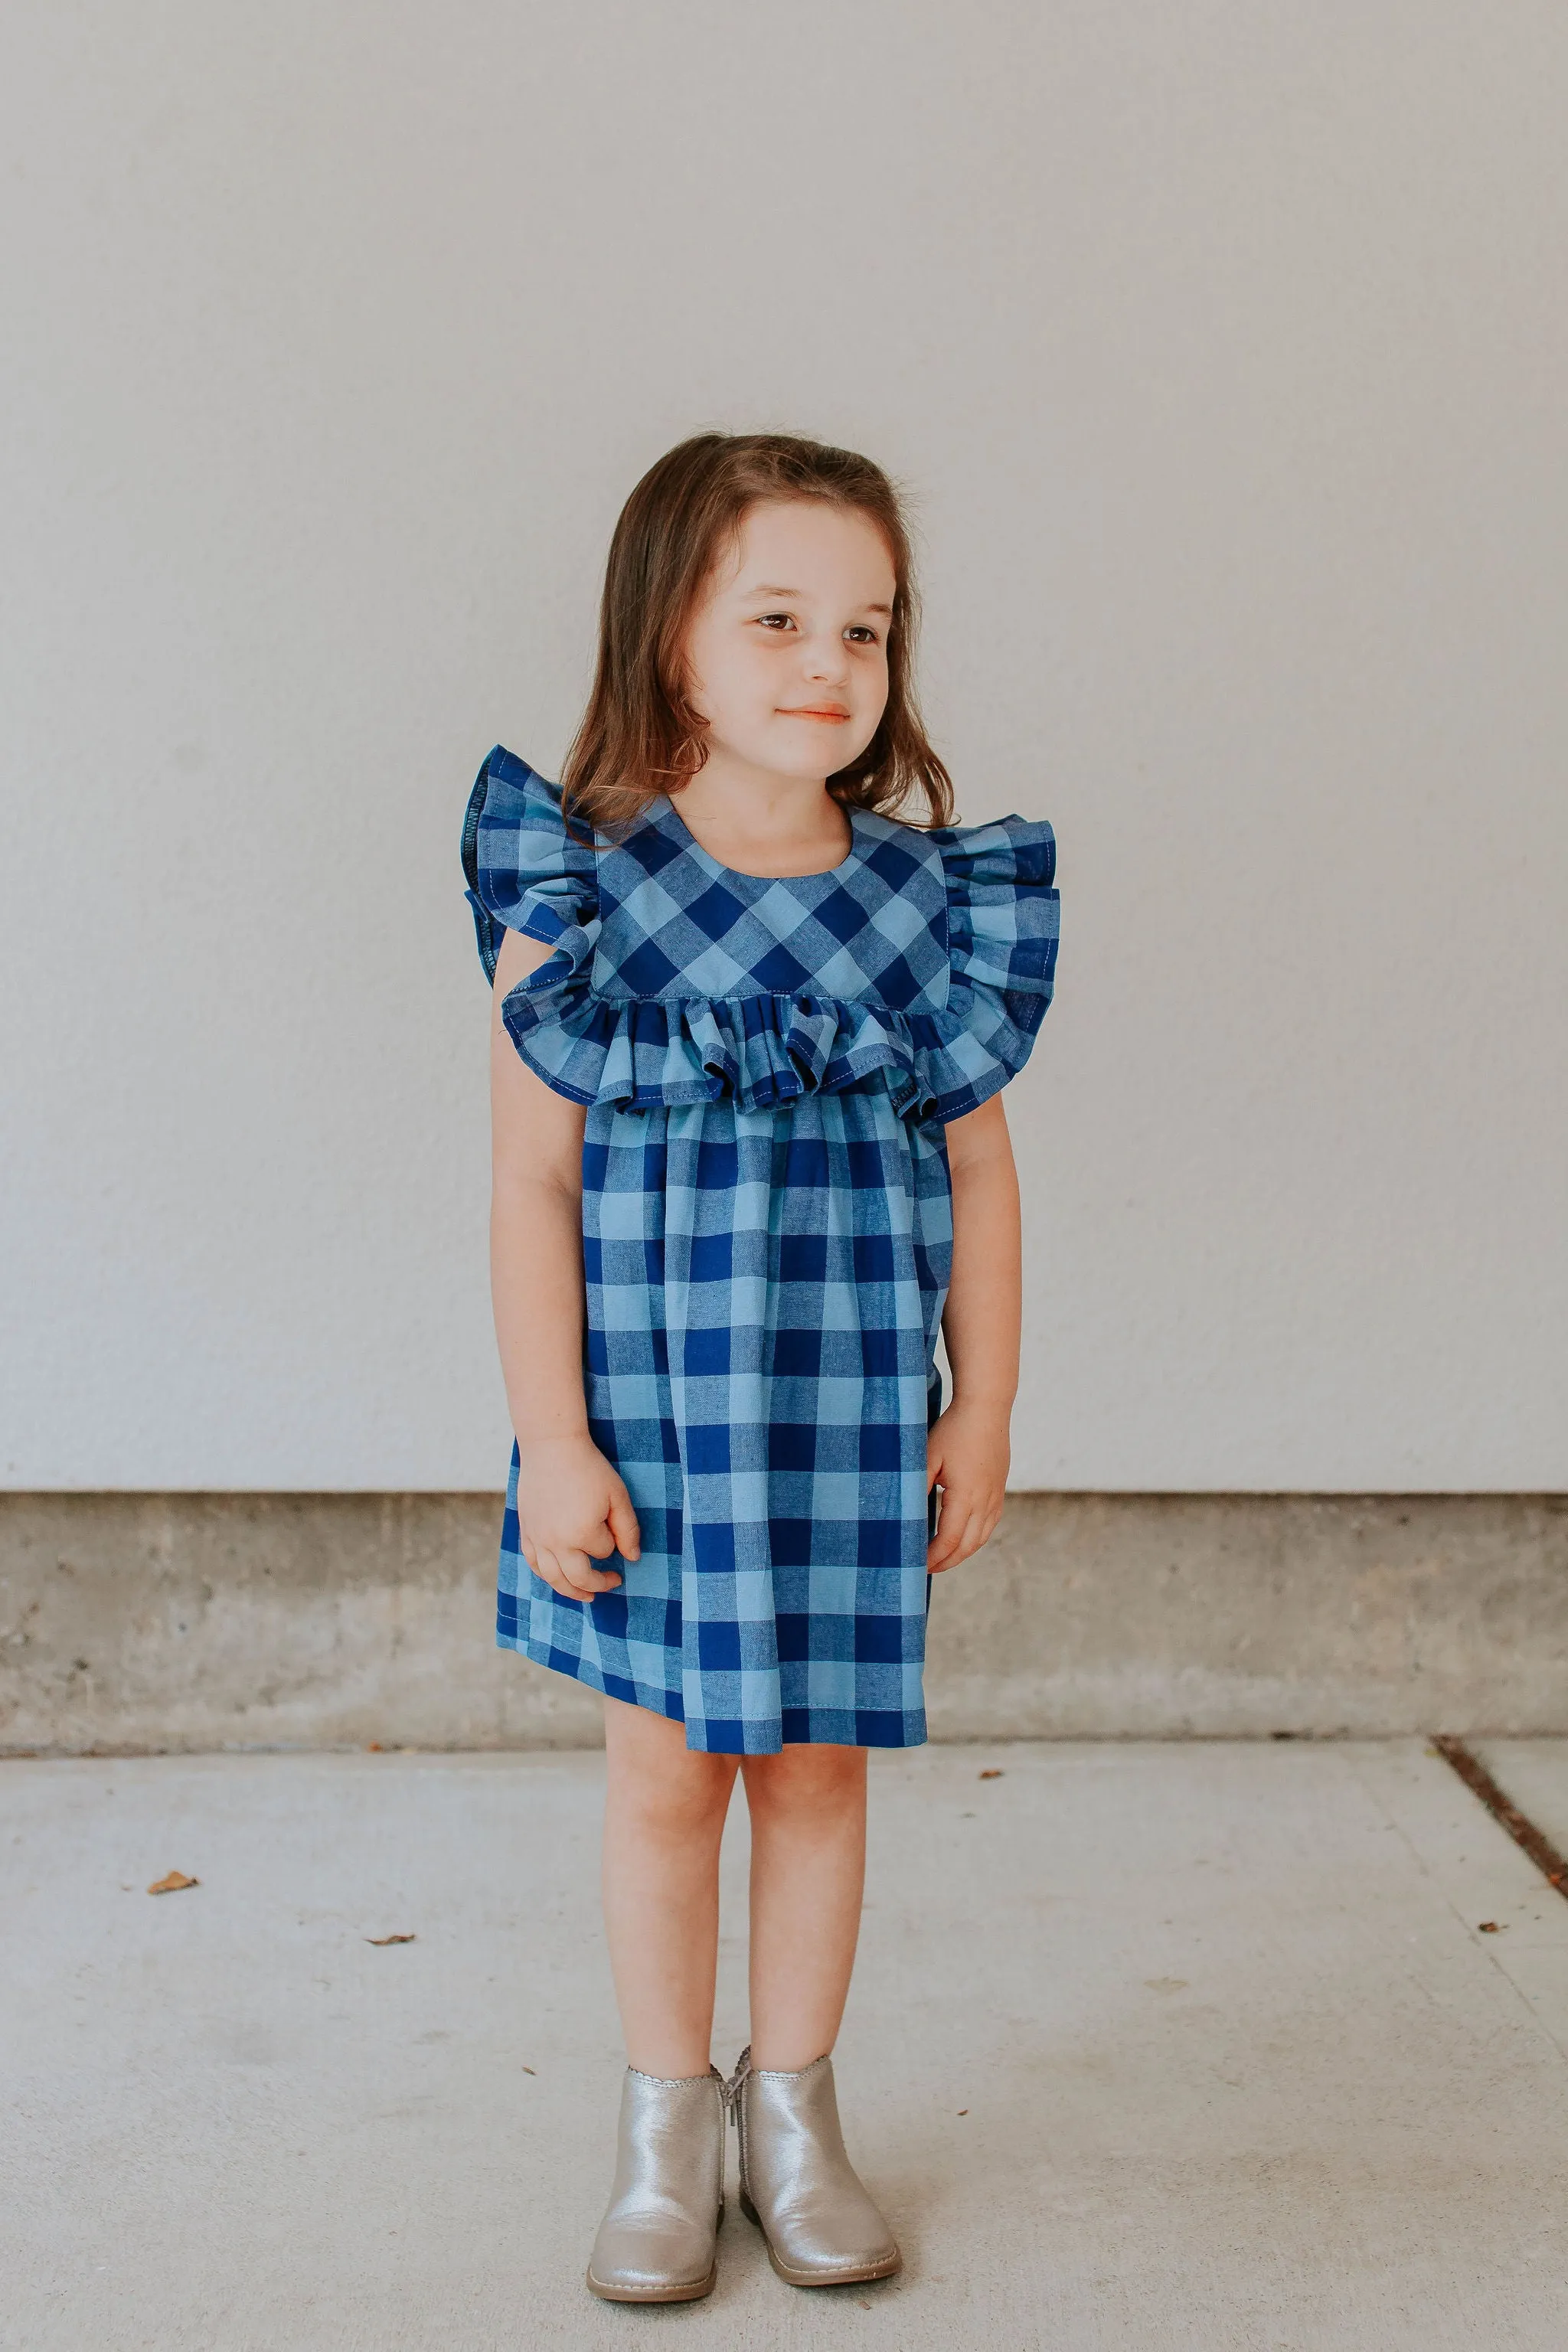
(572, 1508)
(968, 1449)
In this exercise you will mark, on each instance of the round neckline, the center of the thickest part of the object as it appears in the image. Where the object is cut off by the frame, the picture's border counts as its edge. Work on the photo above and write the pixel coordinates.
(735, 874)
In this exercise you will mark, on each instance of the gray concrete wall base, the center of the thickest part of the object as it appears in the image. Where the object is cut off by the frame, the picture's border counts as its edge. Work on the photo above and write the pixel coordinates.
(192, 1622)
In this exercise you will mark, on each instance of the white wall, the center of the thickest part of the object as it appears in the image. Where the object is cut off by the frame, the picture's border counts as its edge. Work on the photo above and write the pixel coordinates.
(1225, 347)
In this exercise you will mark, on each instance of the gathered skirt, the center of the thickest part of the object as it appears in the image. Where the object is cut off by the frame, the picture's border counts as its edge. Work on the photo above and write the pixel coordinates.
(763, 1294)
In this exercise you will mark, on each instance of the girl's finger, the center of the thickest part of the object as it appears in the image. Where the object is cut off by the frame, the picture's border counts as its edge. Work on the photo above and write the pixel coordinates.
(954, 1535)
(570, 1573)
(623, 1529)
(553, 1568)
(544, 1564)
(584, 1580)
(982, 1526)
(944, 1544)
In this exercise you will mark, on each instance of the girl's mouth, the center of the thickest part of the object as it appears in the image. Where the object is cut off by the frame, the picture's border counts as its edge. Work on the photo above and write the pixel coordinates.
(831, 716)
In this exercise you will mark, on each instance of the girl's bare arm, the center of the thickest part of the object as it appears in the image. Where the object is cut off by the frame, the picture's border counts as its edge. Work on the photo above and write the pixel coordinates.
(572, 1506)
(969, 1446)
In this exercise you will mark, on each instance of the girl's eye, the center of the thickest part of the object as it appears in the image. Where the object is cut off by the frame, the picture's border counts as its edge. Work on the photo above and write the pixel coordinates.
(777, 623)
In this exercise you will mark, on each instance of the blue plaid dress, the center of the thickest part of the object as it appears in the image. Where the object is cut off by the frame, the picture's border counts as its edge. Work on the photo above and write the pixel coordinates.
(766, 1068)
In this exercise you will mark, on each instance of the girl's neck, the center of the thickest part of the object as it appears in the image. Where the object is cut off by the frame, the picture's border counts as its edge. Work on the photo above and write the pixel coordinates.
(755, 820)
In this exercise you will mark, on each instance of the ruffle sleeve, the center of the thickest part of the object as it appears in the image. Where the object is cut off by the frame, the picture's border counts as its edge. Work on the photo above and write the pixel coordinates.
(1003, 926)
(523, 871)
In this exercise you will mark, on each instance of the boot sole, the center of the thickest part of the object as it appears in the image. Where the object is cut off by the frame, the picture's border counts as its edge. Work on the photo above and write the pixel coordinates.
(887, 2268)
(654, 2293)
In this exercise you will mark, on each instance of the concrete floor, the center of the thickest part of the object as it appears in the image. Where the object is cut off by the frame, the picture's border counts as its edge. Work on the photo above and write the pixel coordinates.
(1151, 2046)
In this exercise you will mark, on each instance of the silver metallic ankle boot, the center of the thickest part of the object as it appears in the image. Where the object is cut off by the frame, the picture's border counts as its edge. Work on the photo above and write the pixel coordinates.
(819, 2225)
(656, 2243)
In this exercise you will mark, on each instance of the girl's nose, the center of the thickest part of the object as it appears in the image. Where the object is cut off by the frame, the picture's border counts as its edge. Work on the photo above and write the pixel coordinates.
(825, 659)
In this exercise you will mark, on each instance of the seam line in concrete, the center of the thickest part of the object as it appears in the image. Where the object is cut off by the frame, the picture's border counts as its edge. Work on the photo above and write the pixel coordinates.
(1534, 1842)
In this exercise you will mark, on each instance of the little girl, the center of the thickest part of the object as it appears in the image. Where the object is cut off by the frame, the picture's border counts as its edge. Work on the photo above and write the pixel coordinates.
(749, 1028)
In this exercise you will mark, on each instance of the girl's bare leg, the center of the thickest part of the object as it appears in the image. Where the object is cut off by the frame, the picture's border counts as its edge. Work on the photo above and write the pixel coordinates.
(809, 1870)
(664, 1818)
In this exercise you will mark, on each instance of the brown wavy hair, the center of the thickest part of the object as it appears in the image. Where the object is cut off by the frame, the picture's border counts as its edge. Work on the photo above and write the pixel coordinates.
(641, 734)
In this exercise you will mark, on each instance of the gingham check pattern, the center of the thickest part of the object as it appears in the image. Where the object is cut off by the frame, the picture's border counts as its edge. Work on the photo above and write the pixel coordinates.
(766, 1236)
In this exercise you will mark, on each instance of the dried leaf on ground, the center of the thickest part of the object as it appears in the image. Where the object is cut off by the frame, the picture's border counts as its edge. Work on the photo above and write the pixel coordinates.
(994, 1774)
(389, 1940)
(172, 1883)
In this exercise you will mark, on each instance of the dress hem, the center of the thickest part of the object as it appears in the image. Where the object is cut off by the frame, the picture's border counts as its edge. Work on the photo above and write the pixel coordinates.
(873, 1726)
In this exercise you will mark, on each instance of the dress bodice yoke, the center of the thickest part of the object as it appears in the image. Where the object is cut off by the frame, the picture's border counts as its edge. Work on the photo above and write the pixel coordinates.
(923, 962)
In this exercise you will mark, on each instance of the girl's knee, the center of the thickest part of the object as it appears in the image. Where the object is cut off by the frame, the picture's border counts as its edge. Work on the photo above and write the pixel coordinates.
(668, 1788)
(807, 1780)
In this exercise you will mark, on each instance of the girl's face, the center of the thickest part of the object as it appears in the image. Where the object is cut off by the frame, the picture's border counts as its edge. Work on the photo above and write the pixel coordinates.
(787, 652)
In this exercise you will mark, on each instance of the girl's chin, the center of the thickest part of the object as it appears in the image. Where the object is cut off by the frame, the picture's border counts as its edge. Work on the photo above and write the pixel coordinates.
(807, 748)
(799, 748)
